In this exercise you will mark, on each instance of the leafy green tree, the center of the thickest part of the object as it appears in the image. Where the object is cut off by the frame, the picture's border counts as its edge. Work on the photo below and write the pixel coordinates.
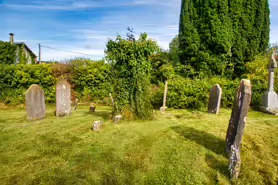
(220, 37)
(174, 50)
(131, 74)
(162, 67)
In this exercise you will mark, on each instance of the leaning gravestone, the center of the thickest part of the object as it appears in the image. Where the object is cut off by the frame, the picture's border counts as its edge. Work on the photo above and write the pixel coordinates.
(215, 99)
(63, 104)
(236, 126)
(35, 102)
(270, 98)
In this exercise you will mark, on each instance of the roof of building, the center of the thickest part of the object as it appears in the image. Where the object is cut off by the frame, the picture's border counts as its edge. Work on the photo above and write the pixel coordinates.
(22, 43)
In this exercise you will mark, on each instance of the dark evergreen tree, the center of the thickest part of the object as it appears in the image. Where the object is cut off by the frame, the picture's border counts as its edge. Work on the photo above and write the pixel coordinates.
(219, 36)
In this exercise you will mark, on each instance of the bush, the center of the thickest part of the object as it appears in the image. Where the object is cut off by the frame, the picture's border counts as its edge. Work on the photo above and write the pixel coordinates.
(257, 72)
(90, 81)
(194, 93)
(16, 79)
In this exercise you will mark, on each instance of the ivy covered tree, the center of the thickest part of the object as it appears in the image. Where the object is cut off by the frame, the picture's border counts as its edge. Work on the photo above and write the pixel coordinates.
(131, 74)
(220, 37)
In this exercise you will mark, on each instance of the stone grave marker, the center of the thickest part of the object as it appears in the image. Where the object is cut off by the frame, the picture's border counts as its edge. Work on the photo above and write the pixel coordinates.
(236, 126)
(112, 100)
(35, 102)
(215, 99)
(92, 107)
(75, 104)
(97, 125)
(63, 103)
(270, 98)
(164, 107)
(118, 118)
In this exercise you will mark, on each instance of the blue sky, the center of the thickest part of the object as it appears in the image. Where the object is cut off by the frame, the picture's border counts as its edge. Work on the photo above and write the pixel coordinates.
(85, 25)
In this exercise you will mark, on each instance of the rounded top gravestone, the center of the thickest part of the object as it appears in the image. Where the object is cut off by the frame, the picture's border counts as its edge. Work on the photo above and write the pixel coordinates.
(35, 102)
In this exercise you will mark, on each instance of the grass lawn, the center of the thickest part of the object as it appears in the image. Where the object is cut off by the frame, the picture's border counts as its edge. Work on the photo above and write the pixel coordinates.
(187, 147)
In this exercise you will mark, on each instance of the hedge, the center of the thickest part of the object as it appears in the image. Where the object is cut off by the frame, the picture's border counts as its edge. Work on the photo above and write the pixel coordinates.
(89, 80)
(194, 93)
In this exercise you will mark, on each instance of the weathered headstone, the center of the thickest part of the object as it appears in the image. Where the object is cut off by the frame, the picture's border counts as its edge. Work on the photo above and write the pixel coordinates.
(270, 97)
(75, 104)
(92, 107)
(97, 125)
(236, 126)
(112, 100)
(118, 118)
(35, 102)
(215, 99)
(63, 103)
(164, 107)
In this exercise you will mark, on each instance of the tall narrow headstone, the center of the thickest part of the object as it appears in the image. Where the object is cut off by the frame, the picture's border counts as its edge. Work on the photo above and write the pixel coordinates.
(164, 107)
(35, 102)
(270, 98)
(112, 100)
(215, 99)
(63, 103)
(236, 126)
(75, 104)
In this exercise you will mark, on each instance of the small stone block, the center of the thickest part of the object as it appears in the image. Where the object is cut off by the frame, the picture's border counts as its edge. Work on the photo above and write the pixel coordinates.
(118, 118)
(97, 125)
(163, 109)
(92, 107)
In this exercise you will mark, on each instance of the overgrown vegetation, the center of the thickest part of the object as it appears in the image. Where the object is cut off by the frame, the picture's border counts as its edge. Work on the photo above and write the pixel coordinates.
(131, 74)
(185, 148)
(7, 53)
(186, 93)
(10, 53)
(90, 80)
(257, 72)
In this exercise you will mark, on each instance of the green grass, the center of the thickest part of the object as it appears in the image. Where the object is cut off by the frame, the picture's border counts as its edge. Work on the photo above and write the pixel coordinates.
(187, 147)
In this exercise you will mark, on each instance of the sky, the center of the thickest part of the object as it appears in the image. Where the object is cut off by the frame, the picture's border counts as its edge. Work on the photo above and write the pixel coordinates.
(84, 26)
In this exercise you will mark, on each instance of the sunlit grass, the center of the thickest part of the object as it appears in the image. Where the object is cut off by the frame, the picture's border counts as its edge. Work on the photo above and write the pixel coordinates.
(185, 147)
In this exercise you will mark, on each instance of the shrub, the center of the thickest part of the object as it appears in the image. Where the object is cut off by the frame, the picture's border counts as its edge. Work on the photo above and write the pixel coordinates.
(257, 72)
(193, 93)
(91, 79)
(16, 79)
(89, 82)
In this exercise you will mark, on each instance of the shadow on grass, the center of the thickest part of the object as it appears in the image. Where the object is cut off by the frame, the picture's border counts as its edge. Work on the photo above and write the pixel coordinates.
(100, 113)
(217, 164)
(209, 141)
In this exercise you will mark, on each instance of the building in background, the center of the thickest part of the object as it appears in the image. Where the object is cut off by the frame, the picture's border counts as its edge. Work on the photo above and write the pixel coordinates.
(24, 54)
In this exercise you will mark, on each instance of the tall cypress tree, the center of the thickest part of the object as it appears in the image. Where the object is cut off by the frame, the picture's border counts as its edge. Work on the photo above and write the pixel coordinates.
(218, 35)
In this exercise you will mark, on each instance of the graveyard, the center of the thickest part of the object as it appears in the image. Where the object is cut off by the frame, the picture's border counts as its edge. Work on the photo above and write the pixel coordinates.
(203, 110)
(182, 146)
